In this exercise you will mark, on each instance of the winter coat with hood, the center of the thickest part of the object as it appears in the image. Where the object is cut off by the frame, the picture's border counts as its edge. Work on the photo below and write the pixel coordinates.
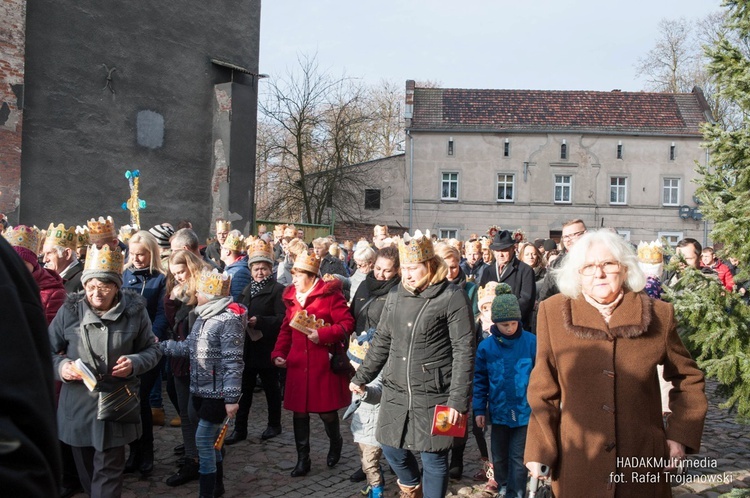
(424, 346)
(595, 395)
(124, 330)
(215, 346)
(311, 385)
(152, 286)
(51, 290)
(268, 308)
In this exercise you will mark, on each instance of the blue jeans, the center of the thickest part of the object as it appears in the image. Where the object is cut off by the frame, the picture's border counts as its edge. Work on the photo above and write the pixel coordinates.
(507, 458)
(205, 437)
(404, 464)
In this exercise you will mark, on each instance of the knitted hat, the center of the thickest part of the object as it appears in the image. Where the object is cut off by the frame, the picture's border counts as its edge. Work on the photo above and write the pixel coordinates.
(359, 345)
(505, 305)
(162, 234)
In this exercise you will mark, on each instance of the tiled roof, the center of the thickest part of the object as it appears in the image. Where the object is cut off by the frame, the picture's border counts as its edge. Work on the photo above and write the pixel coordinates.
(542, 111)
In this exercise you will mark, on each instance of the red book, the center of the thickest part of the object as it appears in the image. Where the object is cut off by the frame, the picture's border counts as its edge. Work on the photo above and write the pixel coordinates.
(441, 426)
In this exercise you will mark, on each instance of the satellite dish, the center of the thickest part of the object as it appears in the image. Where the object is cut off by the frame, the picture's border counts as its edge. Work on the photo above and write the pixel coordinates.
(685, 212)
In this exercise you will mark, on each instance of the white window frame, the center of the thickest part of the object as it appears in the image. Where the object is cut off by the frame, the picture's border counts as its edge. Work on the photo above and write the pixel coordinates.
(663, 189)
(445, 233)
(624, 189)
(676, 236)
(505, 183)
(563, 185)
(449, 181)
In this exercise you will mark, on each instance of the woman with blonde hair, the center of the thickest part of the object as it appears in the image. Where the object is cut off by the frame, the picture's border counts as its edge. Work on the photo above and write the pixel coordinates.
(424, 346)
(293, 249)
(144, 275)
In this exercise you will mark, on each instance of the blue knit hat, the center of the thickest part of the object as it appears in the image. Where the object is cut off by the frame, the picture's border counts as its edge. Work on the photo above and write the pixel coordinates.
(358, 345)
(505, 305)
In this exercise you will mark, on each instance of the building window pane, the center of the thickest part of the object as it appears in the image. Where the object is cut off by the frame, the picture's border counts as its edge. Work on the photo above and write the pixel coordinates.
(505, 188)
(563, 187)
(448, 233)
(671, 192)
(449, 188)
(506, 149)
(618, 190)
(372, 198)
(564, 151)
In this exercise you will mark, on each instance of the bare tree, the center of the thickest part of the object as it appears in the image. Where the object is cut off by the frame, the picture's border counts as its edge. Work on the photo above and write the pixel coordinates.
(670, 66)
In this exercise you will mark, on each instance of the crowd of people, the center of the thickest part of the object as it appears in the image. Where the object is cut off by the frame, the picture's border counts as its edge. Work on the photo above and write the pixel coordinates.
(496, 331)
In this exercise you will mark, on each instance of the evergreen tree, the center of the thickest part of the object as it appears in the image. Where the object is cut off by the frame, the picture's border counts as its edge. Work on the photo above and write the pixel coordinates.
(715, 323)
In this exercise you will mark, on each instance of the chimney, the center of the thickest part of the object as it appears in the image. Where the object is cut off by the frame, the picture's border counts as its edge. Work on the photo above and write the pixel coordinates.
(409, 107)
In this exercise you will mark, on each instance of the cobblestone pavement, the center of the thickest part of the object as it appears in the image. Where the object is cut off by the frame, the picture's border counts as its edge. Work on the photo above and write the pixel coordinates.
(260, 469)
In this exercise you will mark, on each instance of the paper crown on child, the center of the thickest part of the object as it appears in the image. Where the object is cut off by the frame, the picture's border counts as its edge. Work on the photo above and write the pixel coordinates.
(214, 283)
(486, 294)
(61, 236)
(234, 242)
(259, 251)
(307, 262)
(101, 230)
(505, 305)
(304, 323)
(82, 237)
(104, 260)
(415, 249)
(359, 345)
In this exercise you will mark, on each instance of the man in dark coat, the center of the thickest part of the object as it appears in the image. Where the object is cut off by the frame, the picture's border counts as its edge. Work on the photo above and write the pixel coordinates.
(59, 254)
(514, 272)
(213, 250)
(29, 457)
(329, 265)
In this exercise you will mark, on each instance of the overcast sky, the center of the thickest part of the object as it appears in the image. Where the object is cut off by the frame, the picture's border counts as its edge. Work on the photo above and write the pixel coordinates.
(531, 44)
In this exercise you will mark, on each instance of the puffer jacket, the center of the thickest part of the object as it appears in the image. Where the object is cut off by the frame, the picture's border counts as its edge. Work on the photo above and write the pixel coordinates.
(501, 377)
(215, 349)
(365, 419)
(424, 346)
(51, 290)
(241, 277)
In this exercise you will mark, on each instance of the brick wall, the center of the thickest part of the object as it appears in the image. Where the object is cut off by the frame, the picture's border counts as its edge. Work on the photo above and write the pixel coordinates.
(352, 231)
(12, 50)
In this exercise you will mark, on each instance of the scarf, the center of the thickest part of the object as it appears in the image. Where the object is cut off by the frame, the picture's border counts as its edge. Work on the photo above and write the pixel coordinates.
(606, 310)
(377, 287)
(460, 280)
(216, 305)
(302, 296)
(256, 287)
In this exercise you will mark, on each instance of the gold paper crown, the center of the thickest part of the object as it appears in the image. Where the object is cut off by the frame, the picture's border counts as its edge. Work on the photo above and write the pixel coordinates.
(290, 231)
(61, 236)
(415, 249)
(101, 230)
(41, 236)
(23, 236)
(307, 262)
(485, 243)
(304, 323)
(82, 237)
(380, 230)
(279, 230)
(486, 294)
(127, 231)
(650, 252)
(214, 283)
(259, 249)
(234, 242)
(356, 349)
(223, 225)
(104, 259)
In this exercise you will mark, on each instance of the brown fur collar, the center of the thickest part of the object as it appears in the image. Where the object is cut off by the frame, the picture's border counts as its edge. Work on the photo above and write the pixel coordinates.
(630, 319)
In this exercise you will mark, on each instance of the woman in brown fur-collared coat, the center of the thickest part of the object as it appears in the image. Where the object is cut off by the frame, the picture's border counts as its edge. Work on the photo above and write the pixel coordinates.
(594, 392)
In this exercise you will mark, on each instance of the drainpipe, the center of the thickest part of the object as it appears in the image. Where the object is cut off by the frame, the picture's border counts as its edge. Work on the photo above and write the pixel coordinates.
(411, 179)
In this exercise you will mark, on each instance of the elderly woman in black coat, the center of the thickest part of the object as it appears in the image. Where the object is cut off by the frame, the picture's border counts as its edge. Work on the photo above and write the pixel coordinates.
(424, 346)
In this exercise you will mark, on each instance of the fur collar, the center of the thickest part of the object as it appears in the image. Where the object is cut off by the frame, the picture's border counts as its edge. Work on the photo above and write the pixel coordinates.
(134, 302)
(322, 288)
(630, 319)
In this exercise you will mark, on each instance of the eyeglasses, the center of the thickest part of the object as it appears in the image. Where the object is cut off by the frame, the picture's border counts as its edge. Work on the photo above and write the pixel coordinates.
(608, 267)
(102, 289)
(363, 265)
(575, 235)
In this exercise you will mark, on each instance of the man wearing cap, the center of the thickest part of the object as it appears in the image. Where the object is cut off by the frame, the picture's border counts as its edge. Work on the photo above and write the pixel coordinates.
(514, 272)
(213, 250)
(571, 231)
(59, 253)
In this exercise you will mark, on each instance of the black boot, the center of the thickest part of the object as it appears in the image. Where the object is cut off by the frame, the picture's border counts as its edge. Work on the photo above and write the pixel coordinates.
(302, 440)
(188, 472)
(336, 441)
(456, 467)
(236, 436)
(133, 462)
(147, 458)
(219, 489)
(208, 484)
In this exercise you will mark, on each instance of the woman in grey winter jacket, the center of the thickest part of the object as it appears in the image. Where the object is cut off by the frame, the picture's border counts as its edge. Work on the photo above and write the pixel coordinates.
(215, 347)
(424, 346)
(118, 329)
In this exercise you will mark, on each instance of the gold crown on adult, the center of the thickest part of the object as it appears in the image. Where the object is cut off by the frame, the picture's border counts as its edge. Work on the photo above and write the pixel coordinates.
(23, 236)
(223, 225)
(259, 248)
(61, 236)
(380, 230)
(126, 232)
(234, 242)
(101, 230)
(279, 230)
(307, 262)
(104, 259)
(214, 283)
(415, 249)
(290, 231)
(650, 252)
(82, 237)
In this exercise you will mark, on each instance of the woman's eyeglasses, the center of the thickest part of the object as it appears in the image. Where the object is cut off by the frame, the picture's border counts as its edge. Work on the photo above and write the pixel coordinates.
(607, 267)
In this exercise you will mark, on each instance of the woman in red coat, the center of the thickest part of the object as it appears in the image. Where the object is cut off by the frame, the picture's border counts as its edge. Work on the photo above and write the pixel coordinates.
(311, 385)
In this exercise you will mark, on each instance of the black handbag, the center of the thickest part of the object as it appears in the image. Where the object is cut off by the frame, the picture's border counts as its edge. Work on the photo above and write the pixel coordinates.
(118, 400)
(340, 364)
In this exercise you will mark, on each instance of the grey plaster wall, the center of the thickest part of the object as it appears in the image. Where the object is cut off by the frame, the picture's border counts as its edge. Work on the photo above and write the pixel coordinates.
(83, 131)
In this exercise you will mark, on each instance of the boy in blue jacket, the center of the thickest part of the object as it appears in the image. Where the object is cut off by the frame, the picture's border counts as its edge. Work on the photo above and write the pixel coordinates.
(501, 377)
